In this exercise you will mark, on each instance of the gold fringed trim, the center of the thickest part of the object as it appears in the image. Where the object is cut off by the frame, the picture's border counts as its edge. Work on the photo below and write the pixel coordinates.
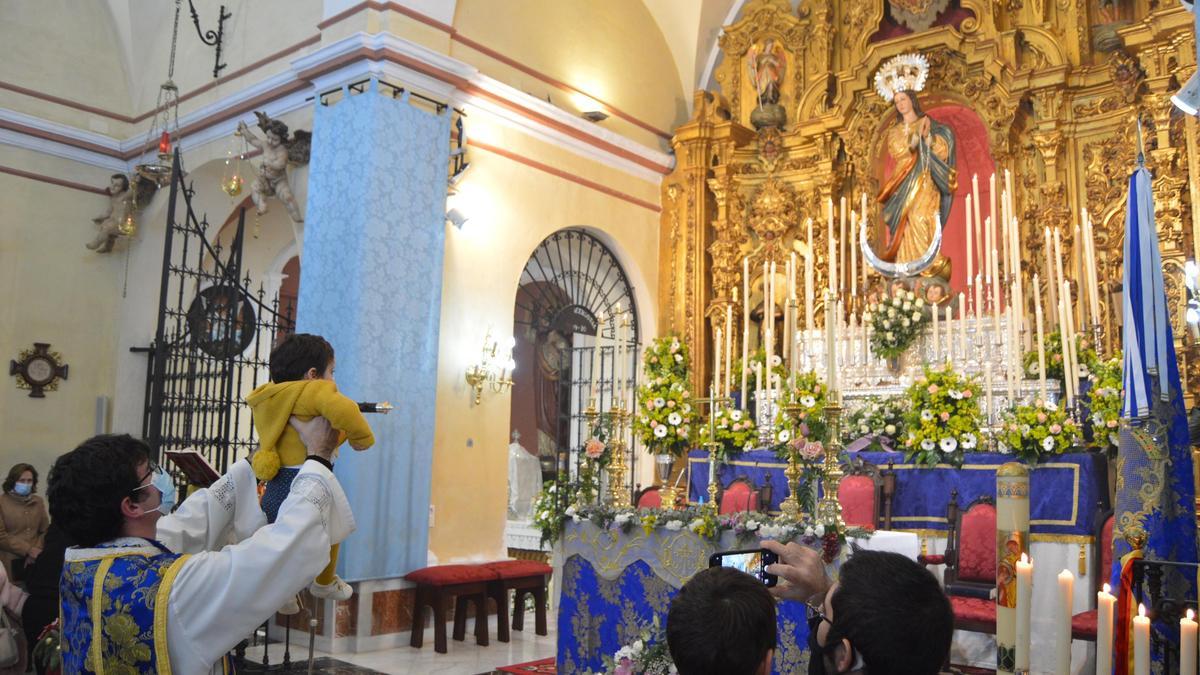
(1063, 538)
(161, 649)
(96, 649)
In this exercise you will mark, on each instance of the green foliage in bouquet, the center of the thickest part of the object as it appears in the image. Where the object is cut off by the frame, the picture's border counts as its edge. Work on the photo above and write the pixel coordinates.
(1104, 400)
(943, 417)
(665, 418)
(881, 418)
(759, 357)
(548, 508)
(733, 430)
(897, 321)
(1054, 356)
(1033, 431)
(802, 412)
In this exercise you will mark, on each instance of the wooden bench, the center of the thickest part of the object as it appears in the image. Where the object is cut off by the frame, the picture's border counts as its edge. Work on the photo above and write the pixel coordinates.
(435, 586)
(523, 577)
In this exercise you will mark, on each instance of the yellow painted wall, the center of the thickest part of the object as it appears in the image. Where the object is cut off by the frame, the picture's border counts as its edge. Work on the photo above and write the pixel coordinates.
(512, 208)
(54, 290)
(612, 50)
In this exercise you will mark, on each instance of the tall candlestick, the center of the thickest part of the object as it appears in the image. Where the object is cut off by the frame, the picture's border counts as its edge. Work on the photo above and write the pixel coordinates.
(992, 200)
(1141, 642)
(995, 300)
(1105, 602)
(1093, 286)
(808, 280)
(1058, 267)
(1187, 644)
(618, 360)
(831, 256)
(970, 247)
(978, 301)
(769, 317)
(936, 334)
(830, 336)
(1024, 613)
(1041, 340)
(1066, 604)
(989, 260)
(862, 223)
(1066, 353)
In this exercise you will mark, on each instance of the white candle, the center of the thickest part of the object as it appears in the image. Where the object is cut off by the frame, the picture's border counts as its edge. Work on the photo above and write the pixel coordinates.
(978, 221)
(596, 358)
(1105, 603)
(1024, 611)
(1066, 354)
(936, 334)
(831, 260)
(728, 350)
(1041, 339)
(618, 361)
(1066, 604)
(992, 202)
(758, 372)
(718, 343)
(1052, 292)
(949, 336)
(978, 301)
(769, 317)
(808, 279)
(853, 254)
(1141, 642)
(745, 328)
(1058, 268)
(841, 283)
(1187, 644)
(962, 326)
(766, 323)
(970, 246)
(989, 261)
(995, 300)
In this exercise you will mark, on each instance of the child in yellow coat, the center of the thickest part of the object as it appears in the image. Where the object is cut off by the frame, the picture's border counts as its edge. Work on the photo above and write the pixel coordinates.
(301, 385)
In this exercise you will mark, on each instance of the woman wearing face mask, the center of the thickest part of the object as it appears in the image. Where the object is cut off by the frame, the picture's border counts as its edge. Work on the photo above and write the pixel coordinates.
(23, 521)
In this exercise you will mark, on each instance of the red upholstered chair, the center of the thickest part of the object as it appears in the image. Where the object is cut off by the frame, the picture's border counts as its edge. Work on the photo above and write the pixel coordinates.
(739, 495)
(435, 586)
(1084, 624)
(650, 498)
(859, 494)
(970, 561)
(523, 577)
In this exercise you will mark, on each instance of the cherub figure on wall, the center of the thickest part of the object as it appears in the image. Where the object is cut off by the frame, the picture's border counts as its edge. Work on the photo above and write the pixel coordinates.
(277, 151)
(117, 220)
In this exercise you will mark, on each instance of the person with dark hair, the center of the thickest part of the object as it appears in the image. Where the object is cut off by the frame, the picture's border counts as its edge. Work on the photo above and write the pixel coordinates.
(885, 614)
(170, 595)
(41, 608)
(722, 621)
(23, 521)
(301, 385)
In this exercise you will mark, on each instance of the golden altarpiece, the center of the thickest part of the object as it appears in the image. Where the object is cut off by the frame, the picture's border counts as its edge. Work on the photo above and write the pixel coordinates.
(1056, 88)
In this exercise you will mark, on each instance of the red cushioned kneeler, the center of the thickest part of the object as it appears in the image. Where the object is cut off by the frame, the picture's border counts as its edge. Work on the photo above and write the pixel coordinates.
(523, 577)
(435, 586)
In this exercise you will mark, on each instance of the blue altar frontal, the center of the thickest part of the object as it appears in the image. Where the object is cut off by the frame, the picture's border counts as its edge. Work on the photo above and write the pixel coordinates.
(1065, 491)
(614, 584)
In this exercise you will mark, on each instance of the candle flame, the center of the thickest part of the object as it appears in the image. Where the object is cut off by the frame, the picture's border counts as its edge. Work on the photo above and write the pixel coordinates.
(1191, 615)
(1141, 610)
(1107, 588)
(1024, 559)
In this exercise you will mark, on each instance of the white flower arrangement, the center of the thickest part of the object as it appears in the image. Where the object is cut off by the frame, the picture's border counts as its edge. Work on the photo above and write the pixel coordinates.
(897, 321)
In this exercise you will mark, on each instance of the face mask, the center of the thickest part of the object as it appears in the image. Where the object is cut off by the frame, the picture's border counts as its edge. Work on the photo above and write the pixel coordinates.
(166, 489)
(23, 489)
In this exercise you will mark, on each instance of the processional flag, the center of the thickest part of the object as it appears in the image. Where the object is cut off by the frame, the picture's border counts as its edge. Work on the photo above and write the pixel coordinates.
(1155, 492)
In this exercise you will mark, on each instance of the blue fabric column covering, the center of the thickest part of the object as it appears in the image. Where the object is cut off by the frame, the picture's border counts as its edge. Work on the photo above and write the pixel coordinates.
(371, 284)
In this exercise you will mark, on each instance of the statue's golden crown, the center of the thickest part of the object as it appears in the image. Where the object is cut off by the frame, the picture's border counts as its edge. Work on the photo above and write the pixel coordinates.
(906, 72)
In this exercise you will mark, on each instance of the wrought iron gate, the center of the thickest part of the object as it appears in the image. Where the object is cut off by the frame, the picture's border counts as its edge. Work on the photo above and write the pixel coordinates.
(212, 342)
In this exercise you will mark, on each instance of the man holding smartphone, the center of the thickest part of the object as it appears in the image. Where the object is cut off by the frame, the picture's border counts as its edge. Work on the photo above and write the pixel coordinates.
(884, 615)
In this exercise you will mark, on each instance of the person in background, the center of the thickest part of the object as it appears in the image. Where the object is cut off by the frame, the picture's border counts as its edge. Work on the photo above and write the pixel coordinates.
(23, 521)
(722, 621)
(885, 615)
(12, 599)
(41, 608)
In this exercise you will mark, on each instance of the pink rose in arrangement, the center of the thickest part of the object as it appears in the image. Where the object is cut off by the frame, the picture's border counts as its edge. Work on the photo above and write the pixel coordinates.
(933, 389)
(1041, 417)
(670, 404)
(1054, 428)
(594, 448)
(812, 450)
(625, 667)
(1111, 424)
(653, 359)
(737, 426)
(967, 393)
(945, 416)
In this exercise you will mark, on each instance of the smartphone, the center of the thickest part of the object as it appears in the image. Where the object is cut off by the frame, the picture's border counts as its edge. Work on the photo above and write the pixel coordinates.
(751, 561)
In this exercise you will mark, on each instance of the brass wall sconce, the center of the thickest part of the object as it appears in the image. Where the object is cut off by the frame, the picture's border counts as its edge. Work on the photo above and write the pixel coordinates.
(494, 369)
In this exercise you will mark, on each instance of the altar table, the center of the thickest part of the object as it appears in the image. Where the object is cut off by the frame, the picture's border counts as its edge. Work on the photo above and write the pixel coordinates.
(614, 584)
(1066, 491)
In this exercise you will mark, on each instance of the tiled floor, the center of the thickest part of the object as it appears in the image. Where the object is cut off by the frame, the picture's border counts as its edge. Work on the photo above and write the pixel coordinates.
(463, 658)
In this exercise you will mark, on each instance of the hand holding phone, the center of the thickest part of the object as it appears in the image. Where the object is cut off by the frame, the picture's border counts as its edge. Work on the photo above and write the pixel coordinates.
(751, 561)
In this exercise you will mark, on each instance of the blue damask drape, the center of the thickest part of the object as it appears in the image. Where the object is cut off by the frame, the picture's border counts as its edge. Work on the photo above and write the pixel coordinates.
(371, 284)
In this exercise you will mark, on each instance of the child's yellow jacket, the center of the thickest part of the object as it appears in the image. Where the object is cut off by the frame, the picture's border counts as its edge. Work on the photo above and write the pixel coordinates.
(279, 444)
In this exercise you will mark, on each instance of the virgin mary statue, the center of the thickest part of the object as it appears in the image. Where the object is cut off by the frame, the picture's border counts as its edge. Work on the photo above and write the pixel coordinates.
(917, 196)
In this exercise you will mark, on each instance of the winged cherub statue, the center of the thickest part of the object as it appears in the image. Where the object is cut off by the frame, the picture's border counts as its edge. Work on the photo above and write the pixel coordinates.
(277, 151)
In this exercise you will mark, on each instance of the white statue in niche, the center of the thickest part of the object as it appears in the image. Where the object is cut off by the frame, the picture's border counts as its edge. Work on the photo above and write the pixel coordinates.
(118, 220)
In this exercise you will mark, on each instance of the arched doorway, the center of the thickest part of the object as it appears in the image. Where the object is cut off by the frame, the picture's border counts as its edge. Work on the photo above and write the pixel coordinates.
(569, 282)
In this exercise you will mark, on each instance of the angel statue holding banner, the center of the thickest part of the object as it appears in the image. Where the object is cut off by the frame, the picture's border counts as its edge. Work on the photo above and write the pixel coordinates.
(917, 196)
